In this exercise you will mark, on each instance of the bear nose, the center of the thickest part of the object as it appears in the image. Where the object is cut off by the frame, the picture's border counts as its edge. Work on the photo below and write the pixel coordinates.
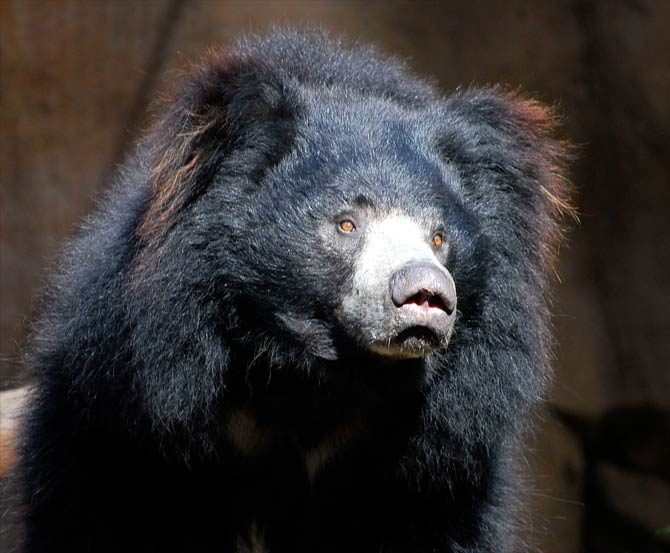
(424, 284)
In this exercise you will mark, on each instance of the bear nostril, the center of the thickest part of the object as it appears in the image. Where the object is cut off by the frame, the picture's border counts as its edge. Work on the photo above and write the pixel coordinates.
(426, 297)
(423, 284)
(419, 298)
(438, 302)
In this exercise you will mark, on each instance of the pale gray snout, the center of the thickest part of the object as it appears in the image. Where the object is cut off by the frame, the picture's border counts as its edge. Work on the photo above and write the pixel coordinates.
(427, 295)
(402, 303)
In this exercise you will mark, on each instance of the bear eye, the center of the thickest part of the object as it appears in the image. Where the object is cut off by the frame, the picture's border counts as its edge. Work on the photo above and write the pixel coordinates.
(437, 240)
(347, 225)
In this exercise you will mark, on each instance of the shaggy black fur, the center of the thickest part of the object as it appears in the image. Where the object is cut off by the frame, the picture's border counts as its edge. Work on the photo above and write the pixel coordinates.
(193, 389)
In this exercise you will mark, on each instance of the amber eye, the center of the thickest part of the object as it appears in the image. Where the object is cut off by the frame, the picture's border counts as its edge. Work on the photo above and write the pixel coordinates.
(347, 226)
(437, 240)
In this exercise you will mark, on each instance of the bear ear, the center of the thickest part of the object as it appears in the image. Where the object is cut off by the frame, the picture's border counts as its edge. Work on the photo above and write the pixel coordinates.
(227, 102)
(532, 126)
(503, 145)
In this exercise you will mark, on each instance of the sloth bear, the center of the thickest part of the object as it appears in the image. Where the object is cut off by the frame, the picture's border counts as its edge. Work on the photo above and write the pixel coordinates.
(310, 315)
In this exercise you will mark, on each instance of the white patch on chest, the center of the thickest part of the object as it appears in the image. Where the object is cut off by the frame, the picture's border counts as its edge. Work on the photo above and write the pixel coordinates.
(251, 440)
(245, 434)
(318, 457)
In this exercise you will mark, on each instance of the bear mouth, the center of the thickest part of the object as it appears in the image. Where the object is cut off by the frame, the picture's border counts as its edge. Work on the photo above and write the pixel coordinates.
(417, 338)
(413, 342)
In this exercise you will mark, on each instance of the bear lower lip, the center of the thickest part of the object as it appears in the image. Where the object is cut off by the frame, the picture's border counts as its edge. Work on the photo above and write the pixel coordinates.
(420, 336)
(413, 342)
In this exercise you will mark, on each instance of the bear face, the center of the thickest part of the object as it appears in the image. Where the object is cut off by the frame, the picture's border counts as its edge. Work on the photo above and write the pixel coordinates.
(324, 232)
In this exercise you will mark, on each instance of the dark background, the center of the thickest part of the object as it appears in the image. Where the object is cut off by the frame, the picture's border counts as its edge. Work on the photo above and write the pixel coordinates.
(76, 78)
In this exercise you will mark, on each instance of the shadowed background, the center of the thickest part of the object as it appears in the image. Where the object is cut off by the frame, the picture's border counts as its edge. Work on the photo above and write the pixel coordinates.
(76, 78)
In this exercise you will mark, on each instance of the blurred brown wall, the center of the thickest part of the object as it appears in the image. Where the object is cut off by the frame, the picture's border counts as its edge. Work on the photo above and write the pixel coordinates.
(75, 81)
